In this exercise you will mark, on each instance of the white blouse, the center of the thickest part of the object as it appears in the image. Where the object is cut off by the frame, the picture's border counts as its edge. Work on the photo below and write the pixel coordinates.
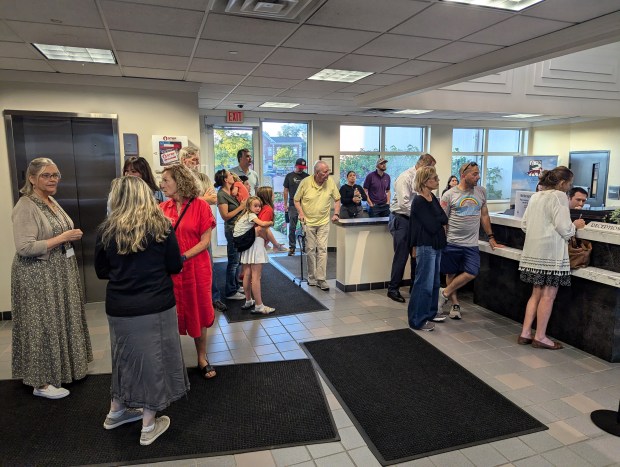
(548, 228)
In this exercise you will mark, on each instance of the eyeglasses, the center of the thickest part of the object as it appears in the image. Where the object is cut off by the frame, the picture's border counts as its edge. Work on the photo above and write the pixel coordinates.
(47, 176)
(470, 164)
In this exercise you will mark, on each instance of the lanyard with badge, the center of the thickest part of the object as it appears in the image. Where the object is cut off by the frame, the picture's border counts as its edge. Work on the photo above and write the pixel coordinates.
(67, 247)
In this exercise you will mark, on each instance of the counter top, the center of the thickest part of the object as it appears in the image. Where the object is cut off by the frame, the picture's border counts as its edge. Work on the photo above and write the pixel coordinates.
(588, 233)
(362, 222)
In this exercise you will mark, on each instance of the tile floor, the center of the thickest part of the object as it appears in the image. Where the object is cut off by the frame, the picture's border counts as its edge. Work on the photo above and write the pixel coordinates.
(560, 388)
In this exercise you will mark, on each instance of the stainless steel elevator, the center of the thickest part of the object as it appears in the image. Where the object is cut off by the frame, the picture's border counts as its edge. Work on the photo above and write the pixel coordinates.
(85, 147)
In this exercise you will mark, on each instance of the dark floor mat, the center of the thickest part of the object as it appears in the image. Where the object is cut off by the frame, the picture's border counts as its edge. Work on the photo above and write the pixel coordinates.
(409, 400)
(247, 407)
(293, 264)
(278, 292)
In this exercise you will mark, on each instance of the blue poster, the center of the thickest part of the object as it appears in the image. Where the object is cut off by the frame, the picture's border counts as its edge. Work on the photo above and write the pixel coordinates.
(525, 172)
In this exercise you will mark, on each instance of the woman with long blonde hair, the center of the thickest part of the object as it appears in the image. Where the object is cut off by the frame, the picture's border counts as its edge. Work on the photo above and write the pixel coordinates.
(137, 252)
(192, 221)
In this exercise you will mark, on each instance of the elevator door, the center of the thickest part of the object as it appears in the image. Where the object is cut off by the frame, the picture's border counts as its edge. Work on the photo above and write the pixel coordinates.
(84, 150)
(590, 169)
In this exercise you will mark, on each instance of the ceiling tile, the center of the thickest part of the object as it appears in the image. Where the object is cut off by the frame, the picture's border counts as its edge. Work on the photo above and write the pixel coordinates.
(25, 64)
(450, 21)
(366, 63)
(200, 5)
(230, 67)
(572, 10)
(237, 29)
(61, 35)
(270, 82)
(7, 35)
(283, 71)
(17, 50)
(381, 79)
(298, 57)
(256, 91)
(141, 60)
(516, 29)
(374, 16)
(416, 67)
(206, 89)
(396, 45)
(221, 50)
(71, 13)
(152, 73)
(214, 78)
(152, 43)
(312, 85)
(246, 98)
(360, 88)
(459, 51)
(98, 69)
(324, 38)
(152, 19)
(301, 93)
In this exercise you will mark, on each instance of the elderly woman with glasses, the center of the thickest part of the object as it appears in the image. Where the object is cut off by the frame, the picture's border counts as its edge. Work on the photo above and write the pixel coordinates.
(51, 344)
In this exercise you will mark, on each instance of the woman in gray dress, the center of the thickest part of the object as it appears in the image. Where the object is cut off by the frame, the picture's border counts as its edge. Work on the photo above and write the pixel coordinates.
(137, 251)
(51, 344)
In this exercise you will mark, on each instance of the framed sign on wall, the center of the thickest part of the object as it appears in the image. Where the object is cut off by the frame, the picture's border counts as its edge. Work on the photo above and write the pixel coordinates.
(329, 160)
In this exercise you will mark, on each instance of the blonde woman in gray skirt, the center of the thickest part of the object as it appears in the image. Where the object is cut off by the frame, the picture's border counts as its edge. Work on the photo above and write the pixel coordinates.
(137, 251)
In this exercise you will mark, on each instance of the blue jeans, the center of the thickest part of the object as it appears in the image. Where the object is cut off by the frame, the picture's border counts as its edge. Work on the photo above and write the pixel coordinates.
(215, 292)
(423, 305)
(232, 269)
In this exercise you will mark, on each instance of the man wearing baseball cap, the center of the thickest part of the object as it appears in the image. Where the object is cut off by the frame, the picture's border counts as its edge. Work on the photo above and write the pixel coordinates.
(377, 188)
(291, 182)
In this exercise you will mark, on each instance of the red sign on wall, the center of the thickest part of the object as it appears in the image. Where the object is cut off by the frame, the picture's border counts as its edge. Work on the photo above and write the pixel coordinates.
(234, 116)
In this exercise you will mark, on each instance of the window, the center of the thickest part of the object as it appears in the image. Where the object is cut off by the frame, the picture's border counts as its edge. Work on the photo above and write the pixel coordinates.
(283, 143)
(362, 145)
(493, 149)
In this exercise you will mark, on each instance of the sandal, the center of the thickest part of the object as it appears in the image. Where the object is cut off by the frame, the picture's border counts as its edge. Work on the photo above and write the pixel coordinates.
(205, 370)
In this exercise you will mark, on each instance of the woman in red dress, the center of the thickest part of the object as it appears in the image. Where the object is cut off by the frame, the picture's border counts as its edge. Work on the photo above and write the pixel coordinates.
(192, 221)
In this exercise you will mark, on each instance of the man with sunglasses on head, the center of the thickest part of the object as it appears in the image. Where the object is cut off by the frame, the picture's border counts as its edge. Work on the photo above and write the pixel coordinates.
(466, 208)
(377, 188)
(400, 209)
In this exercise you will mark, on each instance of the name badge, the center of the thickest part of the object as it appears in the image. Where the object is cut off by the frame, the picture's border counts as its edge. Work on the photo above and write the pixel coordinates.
(69, 252)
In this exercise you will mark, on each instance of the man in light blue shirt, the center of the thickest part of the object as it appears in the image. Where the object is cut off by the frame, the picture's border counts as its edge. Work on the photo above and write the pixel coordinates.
(245, 159)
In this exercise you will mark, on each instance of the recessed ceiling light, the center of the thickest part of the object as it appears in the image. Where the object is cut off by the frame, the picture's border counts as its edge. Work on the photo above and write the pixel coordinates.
(522, 115)
(75, 54)
(342, 76)
(412, 112)
(513, 5)
(279, 105)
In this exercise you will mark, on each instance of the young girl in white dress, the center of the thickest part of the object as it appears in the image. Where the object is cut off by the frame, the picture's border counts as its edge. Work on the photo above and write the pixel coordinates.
(253, 258)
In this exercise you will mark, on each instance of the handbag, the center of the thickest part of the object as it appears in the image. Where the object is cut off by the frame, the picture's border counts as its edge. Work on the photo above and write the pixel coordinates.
(245, 241)
(579, 252)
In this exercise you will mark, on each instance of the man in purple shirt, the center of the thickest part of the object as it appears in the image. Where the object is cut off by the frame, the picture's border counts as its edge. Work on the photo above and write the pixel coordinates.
(377, 188)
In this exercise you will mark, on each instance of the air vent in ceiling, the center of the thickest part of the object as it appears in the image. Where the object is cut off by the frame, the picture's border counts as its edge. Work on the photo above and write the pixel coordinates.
(276, 9)
(379, 111)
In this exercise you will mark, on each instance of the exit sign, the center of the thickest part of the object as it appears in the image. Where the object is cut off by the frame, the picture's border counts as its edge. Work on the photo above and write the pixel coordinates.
(234, 116)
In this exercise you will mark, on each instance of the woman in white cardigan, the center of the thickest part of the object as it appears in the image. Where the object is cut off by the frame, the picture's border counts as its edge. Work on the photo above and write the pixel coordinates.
(544, 261)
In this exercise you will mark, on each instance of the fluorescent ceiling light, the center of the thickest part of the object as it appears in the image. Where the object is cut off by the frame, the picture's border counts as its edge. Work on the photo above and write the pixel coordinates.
(342, 76)
(76, 54)
(513, 5)
(522, 115)
(412, 112)
(279, 105)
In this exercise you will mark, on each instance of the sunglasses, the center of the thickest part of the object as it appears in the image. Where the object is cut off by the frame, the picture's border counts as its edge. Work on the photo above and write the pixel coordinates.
(469, 165)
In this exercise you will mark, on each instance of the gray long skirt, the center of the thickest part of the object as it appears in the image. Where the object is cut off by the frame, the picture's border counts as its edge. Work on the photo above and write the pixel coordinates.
(148, 370)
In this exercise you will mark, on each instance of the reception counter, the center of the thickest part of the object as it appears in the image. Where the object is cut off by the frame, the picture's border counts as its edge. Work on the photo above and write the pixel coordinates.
(364, 254)
(585, 315)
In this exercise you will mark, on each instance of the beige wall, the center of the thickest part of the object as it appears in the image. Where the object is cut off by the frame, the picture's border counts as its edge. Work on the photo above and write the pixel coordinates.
(144, 112)
(601, 135)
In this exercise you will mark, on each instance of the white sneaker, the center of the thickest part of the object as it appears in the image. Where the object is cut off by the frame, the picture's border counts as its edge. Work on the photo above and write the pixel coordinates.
(248, 304)
(262, 310)
(443, 300)
(154, 431)
(128, 416)
(280, 249)
(51, 392)
(440, 317)
(240, 290)
(236, 296)
(455, 312)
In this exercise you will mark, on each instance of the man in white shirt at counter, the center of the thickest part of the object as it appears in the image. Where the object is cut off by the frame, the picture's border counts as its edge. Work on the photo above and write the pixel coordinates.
(466, 208)
(400, 209)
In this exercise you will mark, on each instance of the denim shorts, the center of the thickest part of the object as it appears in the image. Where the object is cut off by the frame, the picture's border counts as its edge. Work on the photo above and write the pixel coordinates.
(456, 259)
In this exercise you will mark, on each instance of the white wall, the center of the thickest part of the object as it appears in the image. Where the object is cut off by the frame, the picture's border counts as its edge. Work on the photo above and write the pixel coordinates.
(145, 112)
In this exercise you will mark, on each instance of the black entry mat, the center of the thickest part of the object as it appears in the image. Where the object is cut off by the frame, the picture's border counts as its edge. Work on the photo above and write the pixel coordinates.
(293, 264)
(409, 400)
(247, 407)
(278, 292)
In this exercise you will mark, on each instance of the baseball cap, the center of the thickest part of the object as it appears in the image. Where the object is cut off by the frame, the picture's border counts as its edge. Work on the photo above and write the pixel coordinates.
(381, 161)
(301, 163)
